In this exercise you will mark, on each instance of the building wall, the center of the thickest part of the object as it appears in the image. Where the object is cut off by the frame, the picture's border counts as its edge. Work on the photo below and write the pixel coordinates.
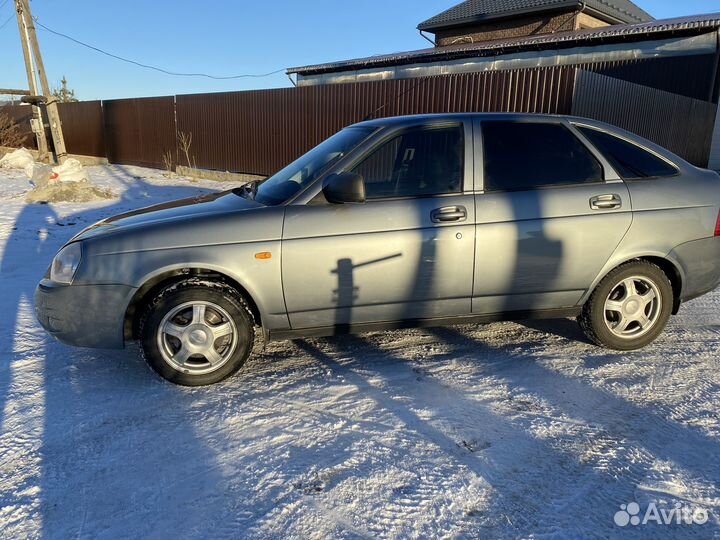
(547, 23)
(583, 21)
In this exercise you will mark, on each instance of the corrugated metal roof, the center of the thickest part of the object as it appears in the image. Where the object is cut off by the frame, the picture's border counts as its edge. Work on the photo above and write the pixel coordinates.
(635, 32)
(478, 10)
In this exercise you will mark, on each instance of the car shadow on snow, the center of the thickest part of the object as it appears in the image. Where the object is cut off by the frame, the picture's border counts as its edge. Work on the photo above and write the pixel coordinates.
(607, 448)
(466, 436)
(93, 454)
(563, 328)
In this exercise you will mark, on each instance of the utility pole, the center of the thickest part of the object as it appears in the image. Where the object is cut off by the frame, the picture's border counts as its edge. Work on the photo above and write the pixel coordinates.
(39, 125)
(50, 100)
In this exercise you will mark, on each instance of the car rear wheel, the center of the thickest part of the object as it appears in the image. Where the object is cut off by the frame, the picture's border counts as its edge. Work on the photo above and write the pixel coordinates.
(629, 308)
(197, 332)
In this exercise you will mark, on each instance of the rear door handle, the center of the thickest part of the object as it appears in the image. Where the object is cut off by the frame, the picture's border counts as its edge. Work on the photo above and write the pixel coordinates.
(447, 214)
(606, 202)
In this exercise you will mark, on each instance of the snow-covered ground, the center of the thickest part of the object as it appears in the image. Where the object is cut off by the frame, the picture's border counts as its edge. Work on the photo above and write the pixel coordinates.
(496, 431)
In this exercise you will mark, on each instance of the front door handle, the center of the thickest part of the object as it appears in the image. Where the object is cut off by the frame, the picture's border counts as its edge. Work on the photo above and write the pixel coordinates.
(610, 201)
(448, 213)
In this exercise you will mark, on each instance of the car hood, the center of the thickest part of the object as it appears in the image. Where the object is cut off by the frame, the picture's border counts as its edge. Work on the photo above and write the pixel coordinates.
(180, 210)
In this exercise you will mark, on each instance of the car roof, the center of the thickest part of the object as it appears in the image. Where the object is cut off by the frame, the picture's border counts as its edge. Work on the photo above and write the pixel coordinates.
(419, 118)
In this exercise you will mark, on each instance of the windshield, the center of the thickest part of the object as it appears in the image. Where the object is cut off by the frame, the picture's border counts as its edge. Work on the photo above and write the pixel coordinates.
(306, 169)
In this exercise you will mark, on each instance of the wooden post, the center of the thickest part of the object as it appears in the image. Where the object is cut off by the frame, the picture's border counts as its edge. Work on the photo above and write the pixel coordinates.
(32, 82)
(50, 100)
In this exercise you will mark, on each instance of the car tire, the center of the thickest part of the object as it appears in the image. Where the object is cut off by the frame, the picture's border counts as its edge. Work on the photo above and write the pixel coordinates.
(629, 308)
(197, 332)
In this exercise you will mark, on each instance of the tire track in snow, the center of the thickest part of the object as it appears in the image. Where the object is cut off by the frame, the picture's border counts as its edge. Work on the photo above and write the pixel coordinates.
(625, 442)
(407, 502)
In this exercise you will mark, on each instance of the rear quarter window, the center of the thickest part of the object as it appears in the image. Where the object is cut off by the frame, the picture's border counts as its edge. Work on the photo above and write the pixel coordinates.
(629, 160)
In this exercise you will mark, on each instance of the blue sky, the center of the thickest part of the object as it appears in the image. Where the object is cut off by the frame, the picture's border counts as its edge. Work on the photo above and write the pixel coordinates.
(234, 37)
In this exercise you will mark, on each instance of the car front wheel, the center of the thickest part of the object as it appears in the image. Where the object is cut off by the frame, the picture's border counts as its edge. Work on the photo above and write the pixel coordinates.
(197, 332)
(629, 308)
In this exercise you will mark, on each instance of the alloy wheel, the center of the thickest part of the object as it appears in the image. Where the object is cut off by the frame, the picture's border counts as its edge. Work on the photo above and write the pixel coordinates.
(197, 337)
(633, 307)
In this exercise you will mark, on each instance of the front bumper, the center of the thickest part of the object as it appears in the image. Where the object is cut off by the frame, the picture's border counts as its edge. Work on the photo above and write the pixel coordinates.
(83, 315)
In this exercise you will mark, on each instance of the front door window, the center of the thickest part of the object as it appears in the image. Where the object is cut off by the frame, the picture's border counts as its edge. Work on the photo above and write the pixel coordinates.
(417, 163)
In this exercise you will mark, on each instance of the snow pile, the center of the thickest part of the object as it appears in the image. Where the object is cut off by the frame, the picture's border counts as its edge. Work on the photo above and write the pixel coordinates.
(68, 182)
(70, 171)
(21, 158)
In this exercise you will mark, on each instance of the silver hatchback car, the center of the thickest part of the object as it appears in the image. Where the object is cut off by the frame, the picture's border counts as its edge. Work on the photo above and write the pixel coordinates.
(399, 222)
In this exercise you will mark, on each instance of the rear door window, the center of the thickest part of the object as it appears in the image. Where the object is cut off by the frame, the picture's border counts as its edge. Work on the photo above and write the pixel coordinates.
(528, 155)
(629, 160)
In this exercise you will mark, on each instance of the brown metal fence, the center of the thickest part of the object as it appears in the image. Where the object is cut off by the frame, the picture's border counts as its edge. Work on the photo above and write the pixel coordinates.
(261, 131)
(139, 131)
(82, 124)
(690, 76)
(22, 114)
(680, 124)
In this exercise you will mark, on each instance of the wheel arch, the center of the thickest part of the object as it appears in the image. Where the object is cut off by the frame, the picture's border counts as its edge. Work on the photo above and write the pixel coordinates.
(669, 268)
(153, 284)
(673, 273)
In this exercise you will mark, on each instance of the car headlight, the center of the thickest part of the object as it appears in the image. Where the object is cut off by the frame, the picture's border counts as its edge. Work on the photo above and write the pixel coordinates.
(66, 263)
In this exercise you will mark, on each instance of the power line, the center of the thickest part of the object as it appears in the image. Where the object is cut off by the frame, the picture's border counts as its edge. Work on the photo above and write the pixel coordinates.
(10, 18)
(418, 84)
(154, 68)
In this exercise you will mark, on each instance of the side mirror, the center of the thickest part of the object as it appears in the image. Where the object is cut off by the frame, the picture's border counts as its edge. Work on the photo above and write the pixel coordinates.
(344, 187)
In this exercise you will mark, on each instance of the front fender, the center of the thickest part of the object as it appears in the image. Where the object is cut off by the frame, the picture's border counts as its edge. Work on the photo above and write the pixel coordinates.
(225, 243)
(261, 278)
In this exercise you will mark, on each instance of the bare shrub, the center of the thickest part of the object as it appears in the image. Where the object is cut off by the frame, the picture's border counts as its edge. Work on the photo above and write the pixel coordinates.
(10, 132)
(168, 162)
(185, 142)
